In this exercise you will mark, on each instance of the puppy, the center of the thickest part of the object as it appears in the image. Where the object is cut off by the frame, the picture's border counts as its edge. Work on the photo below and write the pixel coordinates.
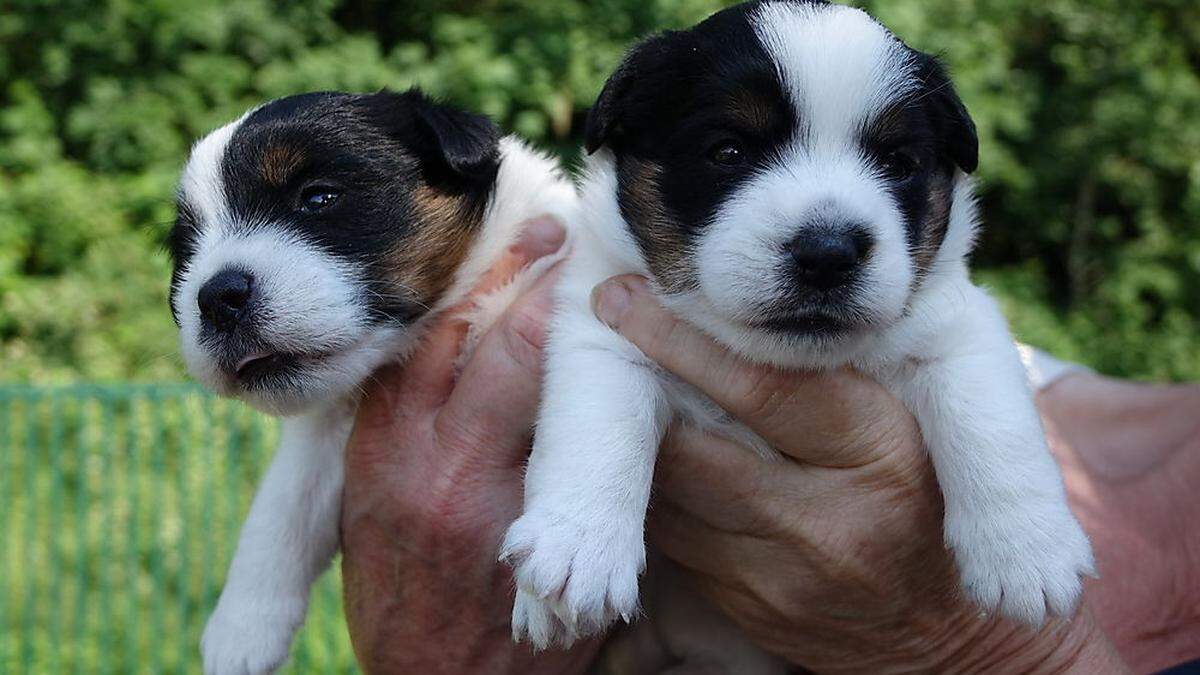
(793, 180)
(316, 236)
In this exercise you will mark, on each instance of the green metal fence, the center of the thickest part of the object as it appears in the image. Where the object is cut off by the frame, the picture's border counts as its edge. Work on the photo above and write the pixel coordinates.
(121, 511)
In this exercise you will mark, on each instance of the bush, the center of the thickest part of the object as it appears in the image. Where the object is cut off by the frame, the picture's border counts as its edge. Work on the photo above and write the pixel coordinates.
(1089, 113)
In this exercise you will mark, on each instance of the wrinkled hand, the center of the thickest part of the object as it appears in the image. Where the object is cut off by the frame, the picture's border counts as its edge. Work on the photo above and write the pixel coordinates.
(433, 476)
(834, 557)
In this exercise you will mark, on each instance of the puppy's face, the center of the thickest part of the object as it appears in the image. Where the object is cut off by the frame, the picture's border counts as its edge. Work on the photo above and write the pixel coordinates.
(786, 169)
(314, 231)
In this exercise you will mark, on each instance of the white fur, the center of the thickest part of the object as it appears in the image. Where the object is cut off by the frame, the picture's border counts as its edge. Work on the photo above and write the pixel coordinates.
(837, 81)
(291, 532)
(944, 350)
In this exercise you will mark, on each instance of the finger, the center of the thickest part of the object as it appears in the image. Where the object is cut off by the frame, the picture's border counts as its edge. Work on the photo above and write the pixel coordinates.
(539, 238)
(428, 376)
(694, 543)
(831, 418)
(707, 474)
(730, 486)
(494, 403)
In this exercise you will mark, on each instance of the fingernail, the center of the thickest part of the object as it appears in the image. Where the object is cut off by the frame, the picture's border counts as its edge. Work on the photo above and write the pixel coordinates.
(610, 300)
(541, 237)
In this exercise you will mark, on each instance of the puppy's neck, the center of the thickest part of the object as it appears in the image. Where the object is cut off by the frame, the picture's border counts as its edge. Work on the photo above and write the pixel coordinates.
(601, 220)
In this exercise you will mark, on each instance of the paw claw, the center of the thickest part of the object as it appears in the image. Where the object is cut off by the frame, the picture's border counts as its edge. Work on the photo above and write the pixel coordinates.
(573, 580)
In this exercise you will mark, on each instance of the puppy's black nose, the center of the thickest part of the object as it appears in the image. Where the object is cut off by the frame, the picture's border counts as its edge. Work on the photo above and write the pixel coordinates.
(224, 299)
(825, 260)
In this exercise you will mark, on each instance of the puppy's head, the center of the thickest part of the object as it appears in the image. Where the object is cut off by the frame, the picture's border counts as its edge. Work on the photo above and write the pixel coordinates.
(787, 170)
(313, 231)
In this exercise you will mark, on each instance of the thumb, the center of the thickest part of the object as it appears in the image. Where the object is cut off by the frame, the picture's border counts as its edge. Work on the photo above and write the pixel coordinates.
(494, 403)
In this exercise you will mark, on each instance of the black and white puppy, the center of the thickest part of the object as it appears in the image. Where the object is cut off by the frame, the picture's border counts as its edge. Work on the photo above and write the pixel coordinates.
(316, 236)
(793, 180)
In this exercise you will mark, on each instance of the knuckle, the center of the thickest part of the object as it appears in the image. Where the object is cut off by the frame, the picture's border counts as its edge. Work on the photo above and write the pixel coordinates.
(525, 335)
(458, 432)
(890, 445)
(848, 560)
(760, 393)
(446, 511)
(905, 479)
(657, 333)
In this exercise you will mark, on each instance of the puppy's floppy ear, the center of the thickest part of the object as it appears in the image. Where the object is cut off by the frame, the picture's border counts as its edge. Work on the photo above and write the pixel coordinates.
(454, 146)
(608, 116)
(467, 144)
(604, 117)
(954, 123)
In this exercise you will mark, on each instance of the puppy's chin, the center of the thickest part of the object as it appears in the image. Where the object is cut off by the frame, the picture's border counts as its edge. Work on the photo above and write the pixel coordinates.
(288, 383)
(812, 340)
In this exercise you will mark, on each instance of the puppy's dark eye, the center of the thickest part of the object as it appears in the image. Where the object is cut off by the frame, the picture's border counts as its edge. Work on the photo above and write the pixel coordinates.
(900, 165)
(318, 197)
(727, 153)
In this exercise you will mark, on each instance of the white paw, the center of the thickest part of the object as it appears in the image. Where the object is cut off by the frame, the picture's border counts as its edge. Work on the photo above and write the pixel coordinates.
(1022, 561)
(573, 578)
(245, 637)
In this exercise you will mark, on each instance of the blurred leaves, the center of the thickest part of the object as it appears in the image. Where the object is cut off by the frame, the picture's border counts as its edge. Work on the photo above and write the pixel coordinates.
(1088, 111)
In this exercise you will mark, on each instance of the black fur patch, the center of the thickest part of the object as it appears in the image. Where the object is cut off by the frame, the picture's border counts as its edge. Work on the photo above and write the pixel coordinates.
(181, 244)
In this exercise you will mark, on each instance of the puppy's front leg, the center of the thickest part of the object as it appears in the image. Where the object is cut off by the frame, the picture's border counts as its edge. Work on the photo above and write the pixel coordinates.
(286, 542)
(579, 548)
(1017, 544)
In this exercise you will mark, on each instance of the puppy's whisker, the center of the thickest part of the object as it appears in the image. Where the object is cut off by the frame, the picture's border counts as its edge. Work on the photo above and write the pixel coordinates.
(409, 294)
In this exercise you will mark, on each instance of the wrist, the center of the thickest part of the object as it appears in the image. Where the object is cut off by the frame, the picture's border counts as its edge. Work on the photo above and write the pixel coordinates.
(991, 645)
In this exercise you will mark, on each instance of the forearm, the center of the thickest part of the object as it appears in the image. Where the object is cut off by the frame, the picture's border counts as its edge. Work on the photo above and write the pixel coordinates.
(1128, 452)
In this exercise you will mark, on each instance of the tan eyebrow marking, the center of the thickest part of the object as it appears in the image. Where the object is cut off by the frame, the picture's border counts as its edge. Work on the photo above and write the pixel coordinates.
(278, 162)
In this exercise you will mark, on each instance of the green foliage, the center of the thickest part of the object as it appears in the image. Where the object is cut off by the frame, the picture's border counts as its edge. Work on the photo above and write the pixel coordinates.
(1089, 113)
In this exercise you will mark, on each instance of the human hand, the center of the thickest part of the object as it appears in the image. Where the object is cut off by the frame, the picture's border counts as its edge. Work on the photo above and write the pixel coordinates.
(1130, 452)
(833, 558)
(433, 476)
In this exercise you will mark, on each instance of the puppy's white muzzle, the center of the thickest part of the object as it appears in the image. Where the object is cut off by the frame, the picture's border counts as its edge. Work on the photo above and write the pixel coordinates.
(819, 234)
(270, 319)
